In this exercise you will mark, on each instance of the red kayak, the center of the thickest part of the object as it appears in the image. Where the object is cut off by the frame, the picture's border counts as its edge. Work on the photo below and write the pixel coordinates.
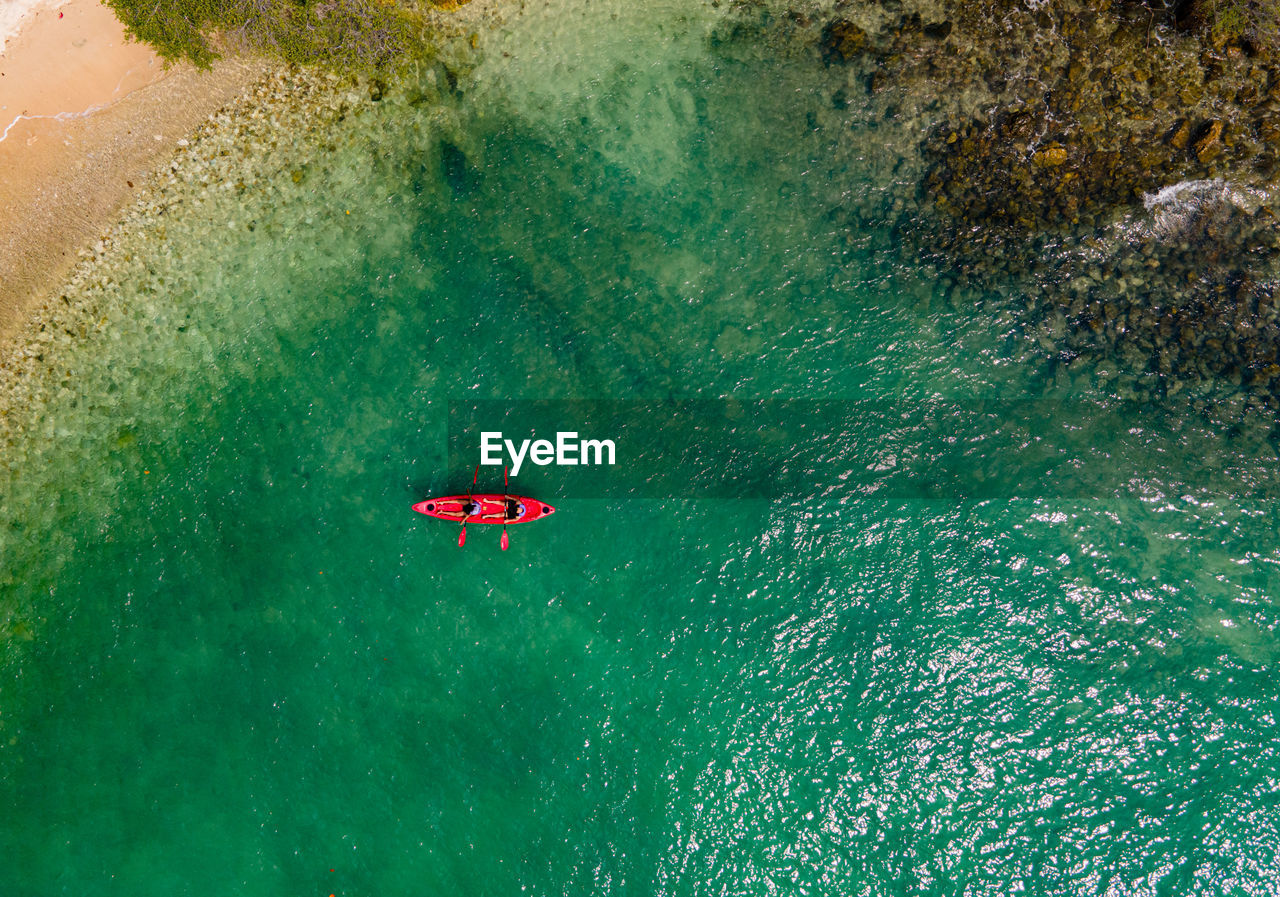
(471, 508)
(508, 509)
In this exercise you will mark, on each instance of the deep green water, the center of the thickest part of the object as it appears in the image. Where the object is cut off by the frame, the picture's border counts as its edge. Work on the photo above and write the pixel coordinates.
(236, 663)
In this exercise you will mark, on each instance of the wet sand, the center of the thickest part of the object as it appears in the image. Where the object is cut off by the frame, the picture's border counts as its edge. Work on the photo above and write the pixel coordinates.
(85, 116)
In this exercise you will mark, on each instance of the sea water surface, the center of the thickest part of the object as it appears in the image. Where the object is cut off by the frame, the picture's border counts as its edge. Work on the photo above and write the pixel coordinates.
(236, 663)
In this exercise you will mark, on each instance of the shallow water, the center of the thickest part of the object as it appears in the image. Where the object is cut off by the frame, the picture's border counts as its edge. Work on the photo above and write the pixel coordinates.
(236, 661)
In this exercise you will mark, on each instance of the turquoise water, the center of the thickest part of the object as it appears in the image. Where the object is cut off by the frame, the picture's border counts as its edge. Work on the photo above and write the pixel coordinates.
(237, 663)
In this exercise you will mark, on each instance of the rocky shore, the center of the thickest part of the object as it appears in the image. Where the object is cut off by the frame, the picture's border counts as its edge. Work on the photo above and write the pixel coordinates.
(244, 149)
(1099, 177)
(268, 151)
(85, 115)
(1120, 168)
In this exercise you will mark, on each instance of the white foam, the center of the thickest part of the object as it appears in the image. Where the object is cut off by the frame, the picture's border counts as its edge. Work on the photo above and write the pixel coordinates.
(12, 13)
(1174, 208)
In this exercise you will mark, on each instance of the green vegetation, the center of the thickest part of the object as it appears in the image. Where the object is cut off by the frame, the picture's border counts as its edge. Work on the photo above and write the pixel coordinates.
(1256, 20)
(344, 34)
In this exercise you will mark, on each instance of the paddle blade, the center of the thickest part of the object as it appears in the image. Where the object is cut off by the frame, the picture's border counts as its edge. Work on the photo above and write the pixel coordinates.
(505, 540)
(462, 536)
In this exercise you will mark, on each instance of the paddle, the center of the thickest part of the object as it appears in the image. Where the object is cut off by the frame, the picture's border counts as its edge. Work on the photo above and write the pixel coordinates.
(462, 538)
(504, 509)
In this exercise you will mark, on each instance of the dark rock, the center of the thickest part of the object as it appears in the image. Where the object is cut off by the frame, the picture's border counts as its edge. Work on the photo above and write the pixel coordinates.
(454, 168)
(1073, 139)
(1209, 144)
(842, 41)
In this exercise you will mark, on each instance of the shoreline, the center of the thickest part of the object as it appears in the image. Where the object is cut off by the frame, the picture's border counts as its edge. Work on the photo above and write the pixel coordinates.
(263, 120)
(86, 115)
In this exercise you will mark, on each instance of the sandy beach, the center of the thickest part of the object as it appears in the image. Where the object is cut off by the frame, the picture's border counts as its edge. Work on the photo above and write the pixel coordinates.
(85, 116)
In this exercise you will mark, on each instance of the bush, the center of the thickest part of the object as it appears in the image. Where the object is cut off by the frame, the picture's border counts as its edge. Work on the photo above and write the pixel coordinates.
(344, 34)
(1256, 20)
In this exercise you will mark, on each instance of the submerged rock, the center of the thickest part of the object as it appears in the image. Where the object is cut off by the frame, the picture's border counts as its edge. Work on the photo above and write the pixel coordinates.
(1067, 148)
(454, 168)
(1209, 145)
(937, 30)
(1113, 167)
(842, 41)
(1051, 156)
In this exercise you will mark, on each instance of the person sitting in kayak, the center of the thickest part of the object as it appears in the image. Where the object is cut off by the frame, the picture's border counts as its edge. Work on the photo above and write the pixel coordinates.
(515, 509)
(469, 509)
